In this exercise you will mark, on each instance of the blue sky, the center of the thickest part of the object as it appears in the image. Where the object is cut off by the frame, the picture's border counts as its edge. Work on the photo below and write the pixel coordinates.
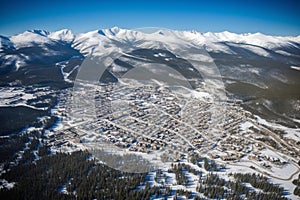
(269, 17)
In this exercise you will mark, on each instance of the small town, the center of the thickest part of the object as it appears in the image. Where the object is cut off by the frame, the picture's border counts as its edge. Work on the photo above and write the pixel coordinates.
(152, 120)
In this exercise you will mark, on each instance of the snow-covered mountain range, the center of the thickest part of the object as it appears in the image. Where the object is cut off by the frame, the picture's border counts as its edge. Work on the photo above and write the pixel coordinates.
(132, 36)
(52, 43)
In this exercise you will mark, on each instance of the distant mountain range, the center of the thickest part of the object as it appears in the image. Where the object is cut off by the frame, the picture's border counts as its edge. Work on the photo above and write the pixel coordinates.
(65, 43)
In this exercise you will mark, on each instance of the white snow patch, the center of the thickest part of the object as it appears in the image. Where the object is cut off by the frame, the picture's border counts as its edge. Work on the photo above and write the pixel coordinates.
(295, 67)
(118, 68)
(246, 125)
(283, 53)
(293, 133)
(201, 95)
(5, 184)
(254, 71)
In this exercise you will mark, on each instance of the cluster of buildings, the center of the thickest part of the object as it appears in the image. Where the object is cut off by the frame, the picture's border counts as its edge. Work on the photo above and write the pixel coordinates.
(153, 120)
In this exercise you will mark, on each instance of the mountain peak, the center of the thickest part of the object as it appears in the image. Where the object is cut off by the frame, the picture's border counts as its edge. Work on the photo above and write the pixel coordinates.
(110, 32)
(115, 29)
(39, 32)
(64, 35)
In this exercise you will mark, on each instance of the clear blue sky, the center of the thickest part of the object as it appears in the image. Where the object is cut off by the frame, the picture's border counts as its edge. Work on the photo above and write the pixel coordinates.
(240, 16)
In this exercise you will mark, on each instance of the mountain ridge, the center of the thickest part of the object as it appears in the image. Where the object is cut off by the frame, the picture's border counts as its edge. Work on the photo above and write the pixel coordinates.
(100, 42)
(224, 36)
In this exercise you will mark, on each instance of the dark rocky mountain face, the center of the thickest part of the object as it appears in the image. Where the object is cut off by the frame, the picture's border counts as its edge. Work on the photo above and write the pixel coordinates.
(38, 63)
(268, 87)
